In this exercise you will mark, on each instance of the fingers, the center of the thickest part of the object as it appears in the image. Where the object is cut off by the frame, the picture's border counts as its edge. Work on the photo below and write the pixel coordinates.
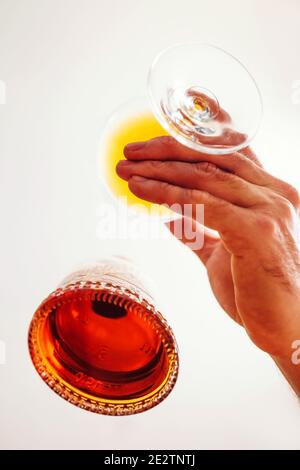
(243, 164)
(202, 176)
(248, 152)
(220, 215)
(166, 145)
(167, 148)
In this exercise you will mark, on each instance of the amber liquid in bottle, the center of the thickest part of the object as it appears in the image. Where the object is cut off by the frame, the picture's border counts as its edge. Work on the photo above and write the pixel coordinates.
(102, 345)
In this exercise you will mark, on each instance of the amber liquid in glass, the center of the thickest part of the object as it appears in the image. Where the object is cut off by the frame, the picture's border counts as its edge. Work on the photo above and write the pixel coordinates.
(140, 127)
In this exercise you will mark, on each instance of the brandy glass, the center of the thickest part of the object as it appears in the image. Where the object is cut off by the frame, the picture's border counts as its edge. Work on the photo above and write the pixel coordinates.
(189, 88)
(191, 85)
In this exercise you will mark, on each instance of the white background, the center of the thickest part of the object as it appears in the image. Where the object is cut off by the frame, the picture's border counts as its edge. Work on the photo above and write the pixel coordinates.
(67, 64)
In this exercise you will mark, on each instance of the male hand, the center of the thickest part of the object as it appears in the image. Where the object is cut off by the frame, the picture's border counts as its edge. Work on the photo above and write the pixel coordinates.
(254, 264)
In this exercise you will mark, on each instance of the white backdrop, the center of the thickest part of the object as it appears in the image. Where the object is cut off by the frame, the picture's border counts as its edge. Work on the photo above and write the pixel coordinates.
(66, 64)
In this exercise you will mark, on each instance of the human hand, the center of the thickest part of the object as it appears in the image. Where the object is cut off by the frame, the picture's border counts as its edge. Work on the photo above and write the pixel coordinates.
(254, 264)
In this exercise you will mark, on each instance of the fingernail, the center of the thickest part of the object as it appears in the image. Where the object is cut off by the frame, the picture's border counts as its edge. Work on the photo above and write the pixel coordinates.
(138, 179)
(123, 163)
(134, 146)
(121, 169)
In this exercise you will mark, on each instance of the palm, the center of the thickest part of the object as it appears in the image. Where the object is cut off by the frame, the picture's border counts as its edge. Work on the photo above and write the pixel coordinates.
(218, 264)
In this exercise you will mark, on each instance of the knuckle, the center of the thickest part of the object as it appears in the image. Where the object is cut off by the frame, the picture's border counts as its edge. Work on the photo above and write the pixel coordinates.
(156, 165)
(278, 213)
(167, 141)
(292, 195)
(285, 208)
(205, 167)
(237, 161)
(188, 195)
(234, 158)
(163, 186)
(212, 170)
(287, 191)
(225, 176)
(162, 192)
(266, 224)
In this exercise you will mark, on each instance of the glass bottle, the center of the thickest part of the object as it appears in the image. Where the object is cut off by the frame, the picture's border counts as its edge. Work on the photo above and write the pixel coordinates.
(100, 342)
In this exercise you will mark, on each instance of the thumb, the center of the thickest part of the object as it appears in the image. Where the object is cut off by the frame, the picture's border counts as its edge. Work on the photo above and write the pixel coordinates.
(197, 237)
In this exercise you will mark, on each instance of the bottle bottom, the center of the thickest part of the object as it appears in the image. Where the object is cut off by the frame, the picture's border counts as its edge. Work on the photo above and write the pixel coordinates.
(104, 350)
